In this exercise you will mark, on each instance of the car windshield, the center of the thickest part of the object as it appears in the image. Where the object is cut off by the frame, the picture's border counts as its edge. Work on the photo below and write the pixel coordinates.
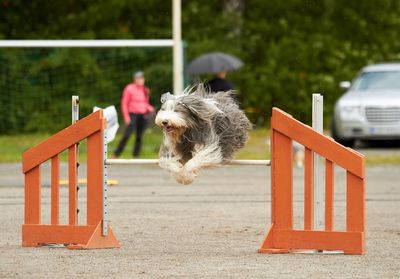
(385, 80)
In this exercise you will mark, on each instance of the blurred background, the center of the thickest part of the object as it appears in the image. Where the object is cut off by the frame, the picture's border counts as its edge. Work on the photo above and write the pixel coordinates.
(290, 49)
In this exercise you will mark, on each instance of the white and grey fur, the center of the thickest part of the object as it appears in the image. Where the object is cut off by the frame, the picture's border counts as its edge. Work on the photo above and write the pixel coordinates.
(201, 130)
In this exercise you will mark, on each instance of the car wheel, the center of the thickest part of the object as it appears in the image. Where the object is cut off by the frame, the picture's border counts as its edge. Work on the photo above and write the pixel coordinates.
(335, 136)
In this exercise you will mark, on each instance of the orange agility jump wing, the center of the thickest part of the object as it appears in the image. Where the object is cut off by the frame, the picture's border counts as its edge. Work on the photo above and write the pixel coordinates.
(282, 237)
(75, 236)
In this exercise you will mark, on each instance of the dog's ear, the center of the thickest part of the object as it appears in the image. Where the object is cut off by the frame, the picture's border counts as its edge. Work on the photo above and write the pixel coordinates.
(201, 108)
(212, 105)
(165, 97)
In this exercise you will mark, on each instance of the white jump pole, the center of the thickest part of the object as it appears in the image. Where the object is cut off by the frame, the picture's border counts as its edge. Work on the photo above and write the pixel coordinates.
(155, 162)
(104, 229)
(317, 124)
(74, 119)
(75, 109)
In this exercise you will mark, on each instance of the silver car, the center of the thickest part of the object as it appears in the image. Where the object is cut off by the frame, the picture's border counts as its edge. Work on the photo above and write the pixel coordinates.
(370, 109)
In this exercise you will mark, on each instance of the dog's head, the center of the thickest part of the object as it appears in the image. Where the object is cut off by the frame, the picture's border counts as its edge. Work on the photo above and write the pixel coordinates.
(187, 111)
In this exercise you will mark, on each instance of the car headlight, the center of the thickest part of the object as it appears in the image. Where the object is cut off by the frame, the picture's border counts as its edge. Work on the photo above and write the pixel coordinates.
(350, 113)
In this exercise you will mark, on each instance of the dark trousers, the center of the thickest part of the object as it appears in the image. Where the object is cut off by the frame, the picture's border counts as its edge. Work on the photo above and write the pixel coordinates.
(138, 125)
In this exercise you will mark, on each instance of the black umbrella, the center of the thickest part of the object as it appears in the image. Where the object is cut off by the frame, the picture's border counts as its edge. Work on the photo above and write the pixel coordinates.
(213, 63)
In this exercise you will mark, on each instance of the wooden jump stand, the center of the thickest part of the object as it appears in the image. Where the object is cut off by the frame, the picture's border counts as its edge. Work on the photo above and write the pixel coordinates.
(96, 233)
(282, 238)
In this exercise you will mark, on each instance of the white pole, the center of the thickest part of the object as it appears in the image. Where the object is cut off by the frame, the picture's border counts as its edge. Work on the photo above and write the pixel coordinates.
(317, 124)
(75, 118)
(104, 228)
(177, 47)
(75, 109)
(155, 162)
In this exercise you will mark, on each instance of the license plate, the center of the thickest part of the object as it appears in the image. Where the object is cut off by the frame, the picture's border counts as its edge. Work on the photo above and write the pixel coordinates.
(385, 130)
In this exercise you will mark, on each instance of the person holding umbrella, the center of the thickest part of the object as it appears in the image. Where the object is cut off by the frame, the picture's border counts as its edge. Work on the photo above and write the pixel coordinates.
(219, 83)
(218, 63)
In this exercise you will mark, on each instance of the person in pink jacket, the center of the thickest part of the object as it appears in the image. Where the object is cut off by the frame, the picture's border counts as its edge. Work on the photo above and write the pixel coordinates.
(135, 107)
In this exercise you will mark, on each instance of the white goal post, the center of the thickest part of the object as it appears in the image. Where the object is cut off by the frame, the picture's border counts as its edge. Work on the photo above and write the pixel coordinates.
(175, 43)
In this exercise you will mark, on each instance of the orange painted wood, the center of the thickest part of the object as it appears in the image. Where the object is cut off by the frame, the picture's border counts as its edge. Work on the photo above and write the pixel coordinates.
(55, 189)
(32, 196)
(268, 244)
(78, 237)
(308, 189)
(94, 178)
(281, 237)
(97, 241)
(323, 145)
(355, 201)
(53, 234)
(72, 184)
(329, 195)
(349, 242)
(62, 140)
(282, 178)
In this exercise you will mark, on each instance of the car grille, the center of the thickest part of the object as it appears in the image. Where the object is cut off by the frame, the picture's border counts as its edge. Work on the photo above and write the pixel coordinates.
(381, 115)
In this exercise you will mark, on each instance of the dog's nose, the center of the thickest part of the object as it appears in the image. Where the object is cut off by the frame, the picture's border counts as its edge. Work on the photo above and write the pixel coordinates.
(165, 122)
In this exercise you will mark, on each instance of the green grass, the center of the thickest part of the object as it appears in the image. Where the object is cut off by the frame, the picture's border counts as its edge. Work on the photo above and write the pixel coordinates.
(150, 146)
(383, 160)
(12, 147)
(257, 147)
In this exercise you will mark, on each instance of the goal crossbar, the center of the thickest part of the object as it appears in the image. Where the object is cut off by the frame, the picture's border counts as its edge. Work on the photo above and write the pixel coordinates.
(85, 43)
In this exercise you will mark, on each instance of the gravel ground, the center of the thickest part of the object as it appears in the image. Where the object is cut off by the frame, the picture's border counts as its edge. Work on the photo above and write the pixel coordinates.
(211, 229)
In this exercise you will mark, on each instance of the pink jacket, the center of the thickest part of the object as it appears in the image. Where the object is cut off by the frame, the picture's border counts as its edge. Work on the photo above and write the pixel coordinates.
(135, 99)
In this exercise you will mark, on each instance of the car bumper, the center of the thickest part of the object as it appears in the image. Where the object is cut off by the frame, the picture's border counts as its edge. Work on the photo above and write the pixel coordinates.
(359, 130)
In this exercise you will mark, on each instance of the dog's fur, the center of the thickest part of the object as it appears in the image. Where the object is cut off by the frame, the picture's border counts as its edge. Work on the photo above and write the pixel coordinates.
(201, 129)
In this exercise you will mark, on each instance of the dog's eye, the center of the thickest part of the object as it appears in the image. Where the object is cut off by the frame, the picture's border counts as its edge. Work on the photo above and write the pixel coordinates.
(163, 109)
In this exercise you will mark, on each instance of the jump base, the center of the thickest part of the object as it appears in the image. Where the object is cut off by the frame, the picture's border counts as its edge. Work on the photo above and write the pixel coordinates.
(74, 237)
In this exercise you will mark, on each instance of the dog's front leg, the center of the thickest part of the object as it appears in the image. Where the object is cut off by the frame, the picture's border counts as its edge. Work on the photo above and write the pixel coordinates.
(203, 156)
(171, 164)
(169, 161)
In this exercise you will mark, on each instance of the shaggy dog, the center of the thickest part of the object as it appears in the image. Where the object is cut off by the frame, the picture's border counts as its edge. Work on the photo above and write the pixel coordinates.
(201, 130)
